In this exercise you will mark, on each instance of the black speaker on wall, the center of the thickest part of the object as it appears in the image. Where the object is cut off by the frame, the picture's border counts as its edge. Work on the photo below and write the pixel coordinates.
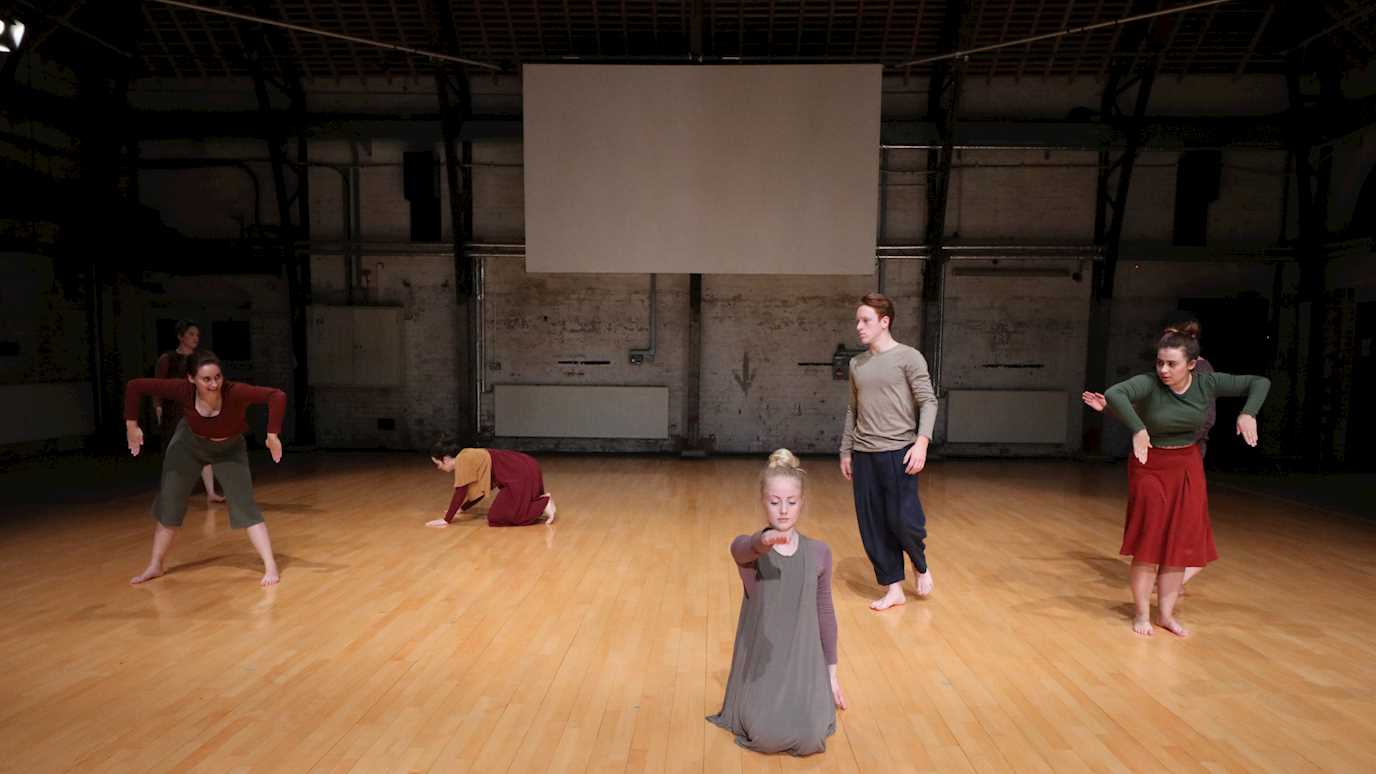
(419, 175)
(1198, 176)
(420, 182)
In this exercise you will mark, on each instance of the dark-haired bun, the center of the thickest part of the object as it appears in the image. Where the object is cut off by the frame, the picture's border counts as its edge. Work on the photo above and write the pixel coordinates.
(1189, 329)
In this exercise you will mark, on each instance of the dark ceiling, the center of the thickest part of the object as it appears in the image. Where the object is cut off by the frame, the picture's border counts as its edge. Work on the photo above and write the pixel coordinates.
(1240, 37)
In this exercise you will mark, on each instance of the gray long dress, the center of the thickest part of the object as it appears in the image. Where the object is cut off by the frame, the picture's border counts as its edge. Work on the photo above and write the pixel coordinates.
(778, 697)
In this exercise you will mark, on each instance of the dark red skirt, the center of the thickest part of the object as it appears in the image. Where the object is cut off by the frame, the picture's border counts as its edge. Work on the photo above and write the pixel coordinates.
(1168, 510)
(521, 500)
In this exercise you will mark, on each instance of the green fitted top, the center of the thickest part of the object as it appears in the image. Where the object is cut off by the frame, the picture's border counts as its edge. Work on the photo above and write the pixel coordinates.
(1143, 402)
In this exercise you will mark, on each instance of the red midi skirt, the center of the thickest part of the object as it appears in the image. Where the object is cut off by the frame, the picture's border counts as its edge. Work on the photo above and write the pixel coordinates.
(1168, 510)
(522, 499)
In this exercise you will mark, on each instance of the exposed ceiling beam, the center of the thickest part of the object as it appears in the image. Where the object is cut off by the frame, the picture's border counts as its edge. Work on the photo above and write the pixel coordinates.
(294, 28)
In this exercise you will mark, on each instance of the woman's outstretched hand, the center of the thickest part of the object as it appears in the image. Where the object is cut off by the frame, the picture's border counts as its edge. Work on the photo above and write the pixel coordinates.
(773, 537)
(1094, 400)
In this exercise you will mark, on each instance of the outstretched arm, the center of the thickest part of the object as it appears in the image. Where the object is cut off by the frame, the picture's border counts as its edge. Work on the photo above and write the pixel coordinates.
(1121, 396)
(273, 398)
(1255, 388)
(456, 506)
(134, 392)
(1098, 402)
(163, 389)
(745, 549)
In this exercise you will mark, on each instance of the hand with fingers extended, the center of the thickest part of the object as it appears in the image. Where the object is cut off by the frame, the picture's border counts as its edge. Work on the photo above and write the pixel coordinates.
(1141, 443)
(1247, 428)
(1094, 400)
(134, 435)
(845, 467)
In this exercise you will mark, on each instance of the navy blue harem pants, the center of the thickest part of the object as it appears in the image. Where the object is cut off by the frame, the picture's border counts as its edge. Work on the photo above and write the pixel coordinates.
(889, 512)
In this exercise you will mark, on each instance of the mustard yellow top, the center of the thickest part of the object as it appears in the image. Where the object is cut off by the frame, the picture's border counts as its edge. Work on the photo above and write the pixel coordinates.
(473, 469)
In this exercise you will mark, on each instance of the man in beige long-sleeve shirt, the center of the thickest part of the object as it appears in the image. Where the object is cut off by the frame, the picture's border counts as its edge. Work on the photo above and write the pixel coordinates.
(889, 421)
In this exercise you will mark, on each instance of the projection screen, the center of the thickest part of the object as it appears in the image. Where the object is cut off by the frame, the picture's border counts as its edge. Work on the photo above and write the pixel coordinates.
(770, 169)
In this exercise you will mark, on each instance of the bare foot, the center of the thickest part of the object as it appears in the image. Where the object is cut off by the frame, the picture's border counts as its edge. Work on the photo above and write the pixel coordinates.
(270, 577)
(924, 584)
(549, 510)
(214, 498)
(894, 597)
(1173, 626)
(1142, 626)
(152, 572)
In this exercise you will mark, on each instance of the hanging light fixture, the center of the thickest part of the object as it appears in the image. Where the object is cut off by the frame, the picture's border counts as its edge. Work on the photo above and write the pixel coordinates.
(11, 33)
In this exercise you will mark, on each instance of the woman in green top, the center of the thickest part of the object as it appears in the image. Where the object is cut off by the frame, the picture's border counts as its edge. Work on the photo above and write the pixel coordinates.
(1098, 402)
(1167, 525)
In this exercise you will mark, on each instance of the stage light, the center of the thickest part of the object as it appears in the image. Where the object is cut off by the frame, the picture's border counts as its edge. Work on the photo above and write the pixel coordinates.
(11, 34)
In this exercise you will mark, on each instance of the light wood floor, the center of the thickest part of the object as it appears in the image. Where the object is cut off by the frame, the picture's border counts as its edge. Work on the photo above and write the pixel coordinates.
(601, 643)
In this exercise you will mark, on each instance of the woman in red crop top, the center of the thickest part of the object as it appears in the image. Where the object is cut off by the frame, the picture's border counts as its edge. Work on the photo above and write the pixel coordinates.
(211, 433)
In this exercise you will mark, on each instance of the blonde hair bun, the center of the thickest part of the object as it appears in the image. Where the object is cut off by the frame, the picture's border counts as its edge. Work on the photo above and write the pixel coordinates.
(783, 458)
(782, 464)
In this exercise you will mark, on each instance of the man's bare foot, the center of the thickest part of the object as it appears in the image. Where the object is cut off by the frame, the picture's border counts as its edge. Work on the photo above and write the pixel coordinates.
(1142, 626)
(152, 572)
(1173, 626)
(270, 577)
(924, 584)
(211, 497)
(549, 510)
(894, 597)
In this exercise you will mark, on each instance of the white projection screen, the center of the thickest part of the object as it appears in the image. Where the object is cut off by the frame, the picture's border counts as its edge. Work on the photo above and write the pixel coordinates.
(770, 169)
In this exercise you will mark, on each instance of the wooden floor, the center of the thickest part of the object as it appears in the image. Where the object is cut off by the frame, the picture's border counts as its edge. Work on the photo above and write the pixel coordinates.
(599, 644)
